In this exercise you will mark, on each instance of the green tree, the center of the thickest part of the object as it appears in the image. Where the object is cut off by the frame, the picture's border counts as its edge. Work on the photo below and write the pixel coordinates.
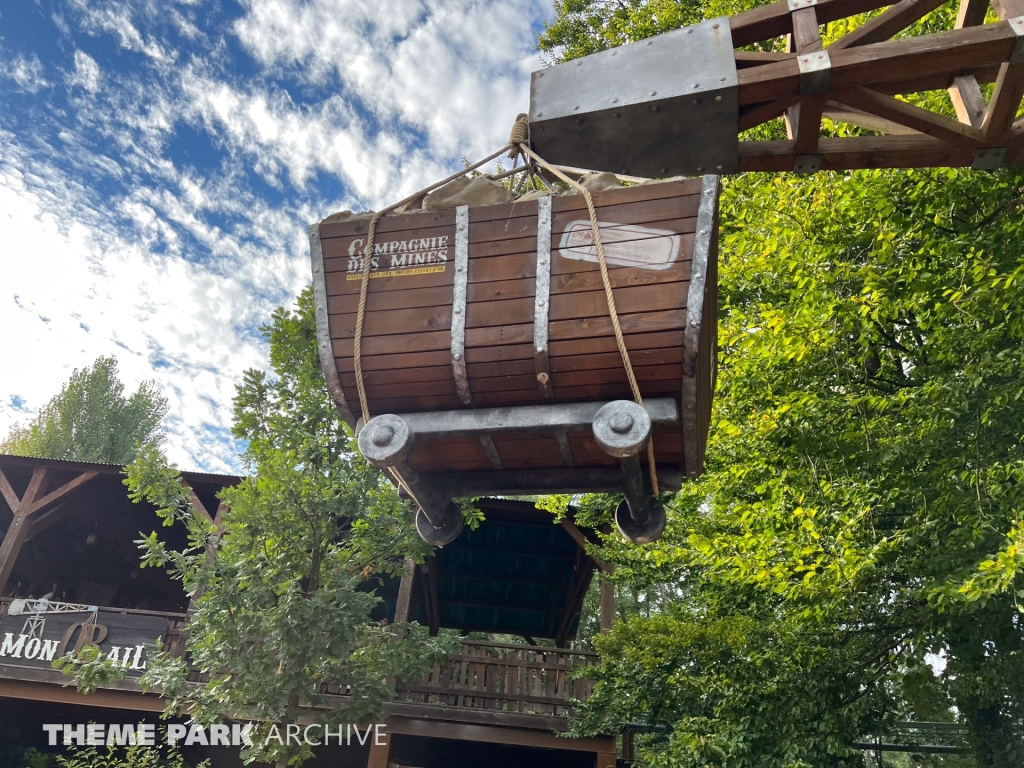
(92, 420)
(280, 619)
(859, 518)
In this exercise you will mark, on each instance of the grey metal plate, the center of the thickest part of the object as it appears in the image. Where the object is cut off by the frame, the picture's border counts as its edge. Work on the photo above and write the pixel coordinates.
(525, 418)
(659, 107)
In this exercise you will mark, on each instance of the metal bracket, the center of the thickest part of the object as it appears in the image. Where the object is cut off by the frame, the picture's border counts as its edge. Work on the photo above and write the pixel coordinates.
(459, 304)
(1017, 25)
(323, 331)
(989, 159)
(815, 72)
(621, 427)
(807, 164)
(386, 442)
(796, 5)
(541, 300)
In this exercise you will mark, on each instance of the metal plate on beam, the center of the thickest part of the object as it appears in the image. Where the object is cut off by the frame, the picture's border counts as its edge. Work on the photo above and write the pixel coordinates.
(659, 107)
(540, 419)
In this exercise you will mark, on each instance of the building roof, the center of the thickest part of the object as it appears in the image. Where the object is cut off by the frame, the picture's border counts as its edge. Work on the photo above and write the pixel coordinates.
(518, 573)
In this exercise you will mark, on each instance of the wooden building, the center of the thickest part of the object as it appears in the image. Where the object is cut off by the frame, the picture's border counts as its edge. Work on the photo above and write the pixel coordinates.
(68, 535)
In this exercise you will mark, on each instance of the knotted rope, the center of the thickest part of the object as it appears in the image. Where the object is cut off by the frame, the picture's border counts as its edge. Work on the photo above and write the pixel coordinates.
(609, 296)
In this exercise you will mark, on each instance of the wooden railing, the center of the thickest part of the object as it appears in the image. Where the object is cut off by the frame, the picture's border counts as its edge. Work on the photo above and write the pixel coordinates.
(523, 679)
(481, 675)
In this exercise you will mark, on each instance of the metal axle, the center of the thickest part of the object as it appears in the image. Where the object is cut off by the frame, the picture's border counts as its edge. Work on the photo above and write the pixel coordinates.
(621, 428)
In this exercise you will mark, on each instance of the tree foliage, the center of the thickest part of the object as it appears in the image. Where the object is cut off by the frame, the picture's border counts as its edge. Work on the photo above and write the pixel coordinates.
(280, 618)
(92, 420)
(859, 522)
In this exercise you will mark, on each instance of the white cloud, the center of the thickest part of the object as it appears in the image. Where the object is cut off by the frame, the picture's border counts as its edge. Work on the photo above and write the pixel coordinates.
(86, 74)
(454, 69)
(175, 264)
(27, 72)
(74, 288)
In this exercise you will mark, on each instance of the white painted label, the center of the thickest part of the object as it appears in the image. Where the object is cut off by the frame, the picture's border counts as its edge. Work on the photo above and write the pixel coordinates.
(625, 245)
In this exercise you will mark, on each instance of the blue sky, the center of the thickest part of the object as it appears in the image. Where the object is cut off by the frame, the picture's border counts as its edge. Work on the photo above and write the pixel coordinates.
(159, 163)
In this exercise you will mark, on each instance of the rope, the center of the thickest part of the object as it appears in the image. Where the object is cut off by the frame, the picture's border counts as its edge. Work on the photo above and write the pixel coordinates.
(606, 281)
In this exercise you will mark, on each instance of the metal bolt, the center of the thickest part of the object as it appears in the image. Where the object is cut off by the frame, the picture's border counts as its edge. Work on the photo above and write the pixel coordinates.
(540, 114)
(540, 74)
(689, 31)
(718, 98)
(577, 106)
(615, 101)
(700, 169)
(721, 79)
(541, 303)
(715, 26)
(618, 114)
(540, 350)
(697, 101)
(316, 270)
(664, 170)
(653, 93)
(696, 85)
(382, 435)
(718, 167)
(458, 310)
(620, 423)
(648, 42)
(456, 356)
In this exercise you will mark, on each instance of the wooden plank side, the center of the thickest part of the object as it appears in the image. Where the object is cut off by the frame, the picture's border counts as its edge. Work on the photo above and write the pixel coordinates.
(339, 251)
(509, 276)
(388, 225)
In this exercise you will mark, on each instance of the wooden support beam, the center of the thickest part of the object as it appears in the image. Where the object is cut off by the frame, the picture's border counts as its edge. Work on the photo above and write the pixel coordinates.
(887, 24)
(844, 114)
(968, 100)
(18, 529)
(756, 114)
(839, 154)
(607, 605)
(379, 753)
(757, 58)
(971, 13)
(44, 520)
(193, 499)
(583, 574)
(941, 54)
(8, 493)
(1009, 9)
(405, 591)
(770, 21)
(806, 37)
(1002, 109)
(922, 120)
(64, 490)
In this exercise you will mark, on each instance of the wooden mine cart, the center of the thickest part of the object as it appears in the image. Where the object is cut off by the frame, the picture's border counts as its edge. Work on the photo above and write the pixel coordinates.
(488, 354)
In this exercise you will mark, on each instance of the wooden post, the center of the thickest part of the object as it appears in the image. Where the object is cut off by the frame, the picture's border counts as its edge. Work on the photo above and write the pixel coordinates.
(605, 760)
(607, 603)
(379, 753)
(405, 591)
(18, 530)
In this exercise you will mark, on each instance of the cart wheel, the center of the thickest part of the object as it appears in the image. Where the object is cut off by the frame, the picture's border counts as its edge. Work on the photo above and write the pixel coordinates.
(449, 531)
(641, 531)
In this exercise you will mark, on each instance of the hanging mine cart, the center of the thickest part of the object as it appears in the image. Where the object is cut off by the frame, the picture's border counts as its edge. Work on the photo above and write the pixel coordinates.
(488, 355)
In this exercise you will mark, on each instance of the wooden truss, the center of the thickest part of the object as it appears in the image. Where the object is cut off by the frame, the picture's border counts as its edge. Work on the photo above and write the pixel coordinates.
(855, 80)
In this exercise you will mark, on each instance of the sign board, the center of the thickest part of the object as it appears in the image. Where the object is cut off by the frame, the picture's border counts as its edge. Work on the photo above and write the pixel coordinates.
(35, 639)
